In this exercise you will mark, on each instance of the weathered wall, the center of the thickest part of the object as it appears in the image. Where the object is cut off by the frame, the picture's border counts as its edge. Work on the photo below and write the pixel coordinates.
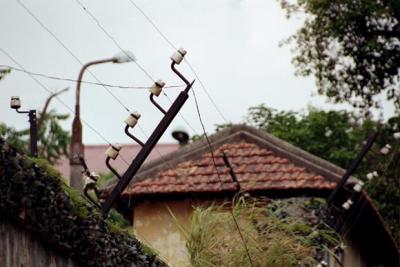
(18, 248)
(161, 225)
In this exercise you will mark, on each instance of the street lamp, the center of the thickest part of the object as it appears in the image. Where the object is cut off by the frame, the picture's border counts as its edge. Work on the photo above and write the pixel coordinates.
(76, 148)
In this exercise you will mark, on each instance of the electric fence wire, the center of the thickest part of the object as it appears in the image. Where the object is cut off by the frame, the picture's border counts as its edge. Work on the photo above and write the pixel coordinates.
(50, 92)
(93, 17)
(219, 177)
(85, 82)
(114, 40)
(186, 61)
(58, 98)
(201, 121)
(69, 51)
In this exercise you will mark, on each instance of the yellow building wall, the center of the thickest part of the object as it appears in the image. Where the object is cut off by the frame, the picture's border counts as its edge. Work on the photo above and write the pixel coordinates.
(162, 226)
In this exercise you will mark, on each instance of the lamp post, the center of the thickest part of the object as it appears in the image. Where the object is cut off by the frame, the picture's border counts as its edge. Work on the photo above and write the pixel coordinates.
(76, 148)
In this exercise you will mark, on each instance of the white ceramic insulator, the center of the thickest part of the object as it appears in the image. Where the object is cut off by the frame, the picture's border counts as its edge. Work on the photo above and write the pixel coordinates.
(396, 135)
(94, 175)
(132, 119)
(375, 173)
(87, 179)
(113, 151)
(370, 176)
(178, 56)
(358, 186)
(157, 87)
(346, 205)
(15, 102)
(386, 149)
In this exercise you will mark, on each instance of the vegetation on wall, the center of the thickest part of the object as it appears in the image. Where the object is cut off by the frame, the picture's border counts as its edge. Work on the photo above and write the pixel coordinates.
(280, 233)
(33, 194)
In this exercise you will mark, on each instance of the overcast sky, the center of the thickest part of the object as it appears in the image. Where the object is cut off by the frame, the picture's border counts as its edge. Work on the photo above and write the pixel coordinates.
(232, 44)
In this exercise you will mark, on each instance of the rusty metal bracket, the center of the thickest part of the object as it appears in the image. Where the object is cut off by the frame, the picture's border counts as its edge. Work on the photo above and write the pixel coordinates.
(111, 168)
(156, 104)
(148, 146)
(133, 137)
(92, 187)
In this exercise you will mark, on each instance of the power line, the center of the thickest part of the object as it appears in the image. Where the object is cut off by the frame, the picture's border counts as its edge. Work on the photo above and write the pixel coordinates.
(113, 39)
(186, 61)
(69, 51)
(119, 46)
(50, 92)
(86, 82)
(180, 114)
(219, 177)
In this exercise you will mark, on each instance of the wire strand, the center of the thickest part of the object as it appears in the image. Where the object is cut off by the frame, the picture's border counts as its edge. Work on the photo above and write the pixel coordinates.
(57, 97)
(85, 82)
(69, 51)
(185, 60)
(180, 114)
(220, 179)
(113, 39)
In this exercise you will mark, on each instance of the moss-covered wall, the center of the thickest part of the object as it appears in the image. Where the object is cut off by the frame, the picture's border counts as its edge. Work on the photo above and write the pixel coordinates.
(34, 196)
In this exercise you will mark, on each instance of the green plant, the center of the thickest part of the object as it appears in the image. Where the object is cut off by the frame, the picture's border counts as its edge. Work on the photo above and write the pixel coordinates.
(274, 235)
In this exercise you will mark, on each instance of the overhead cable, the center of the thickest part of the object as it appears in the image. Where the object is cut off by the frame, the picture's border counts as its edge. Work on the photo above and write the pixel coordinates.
(86, 82)
(69, 51)
(186, 60)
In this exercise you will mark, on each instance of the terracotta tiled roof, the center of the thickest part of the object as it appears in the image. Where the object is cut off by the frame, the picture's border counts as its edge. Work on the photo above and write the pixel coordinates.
(94, 156)
(256, 168)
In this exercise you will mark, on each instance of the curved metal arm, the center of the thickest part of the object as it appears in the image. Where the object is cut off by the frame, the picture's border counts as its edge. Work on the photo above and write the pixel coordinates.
(111, 168)
(92, 186)
(22, 112)
(86, 169)
(179, 74)
(133, 137)
(156, 104)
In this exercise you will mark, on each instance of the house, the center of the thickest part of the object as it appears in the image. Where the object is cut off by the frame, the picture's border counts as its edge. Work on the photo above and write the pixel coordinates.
(161, 198)
(43, 222)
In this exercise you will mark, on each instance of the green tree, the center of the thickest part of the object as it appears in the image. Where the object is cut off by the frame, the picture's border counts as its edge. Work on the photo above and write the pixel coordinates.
(352, 47)
(337, 136)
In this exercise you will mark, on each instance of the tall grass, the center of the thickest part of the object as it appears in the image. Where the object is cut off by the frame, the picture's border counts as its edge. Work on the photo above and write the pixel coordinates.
(277, 234)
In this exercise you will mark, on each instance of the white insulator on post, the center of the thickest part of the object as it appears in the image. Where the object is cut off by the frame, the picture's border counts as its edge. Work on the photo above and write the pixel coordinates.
(358, 186)
(132, 119)
(94, 176)
(178, 56)
(396, 135)
(371, 175)
(113, 151)
(15, 102)
(86, 179)
(157, 87)
(346, 205)
(386, 149)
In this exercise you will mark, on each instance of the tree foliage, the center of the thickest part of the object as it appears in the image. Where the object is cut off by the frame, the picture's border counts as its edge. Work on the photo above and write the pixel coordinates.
(338, 136)
(352, 47)
(3, 72)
